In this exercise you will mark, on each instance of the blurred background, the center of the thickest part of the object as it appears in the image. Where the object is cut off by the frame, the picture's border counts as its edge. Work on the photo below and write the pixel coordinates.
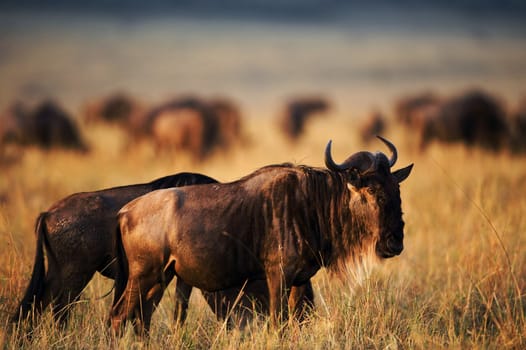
(362, 54)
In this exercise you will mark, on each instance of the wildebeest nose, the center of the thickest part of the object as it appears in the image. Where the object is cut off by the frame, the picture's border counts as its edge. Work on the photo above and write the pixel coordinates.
(395, 246)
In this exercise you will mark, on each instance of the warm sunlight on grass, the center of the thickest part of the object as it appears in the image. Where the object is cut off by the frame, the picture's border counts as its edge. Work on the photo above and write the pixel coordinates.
(460, 282)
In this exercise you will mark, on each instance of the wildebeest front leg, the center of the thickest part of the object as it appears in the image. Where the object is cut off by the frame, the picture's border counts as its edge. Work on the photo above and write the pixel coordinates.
(301, 300)
(278, 296)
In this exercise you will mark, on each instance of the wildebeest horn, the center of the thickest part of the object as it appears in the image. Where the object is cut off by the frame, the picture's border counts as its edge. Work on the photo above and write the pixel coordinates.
(362, 161)
(392, 148)
(329, 162)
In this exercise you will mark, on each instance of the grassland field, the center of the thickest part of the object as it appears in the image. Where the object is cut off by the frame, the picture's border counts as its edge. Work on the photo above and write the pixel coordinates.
(460, 282)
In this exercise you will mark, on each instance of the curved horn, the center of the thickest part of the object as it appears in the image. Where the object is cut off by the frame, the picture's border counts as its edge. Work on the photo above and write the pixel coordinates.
(329, 162)
(361, 161)
(392, 148)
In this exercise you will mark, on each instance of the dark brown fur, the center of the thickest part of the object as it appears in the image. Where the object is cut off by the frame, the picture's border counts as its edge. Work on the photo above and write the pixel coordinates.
(280, 224)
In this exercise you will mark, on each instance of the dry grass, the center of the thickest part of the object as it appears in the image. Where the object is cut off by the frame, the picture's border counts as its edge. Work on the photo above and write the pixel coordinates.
(460, 282)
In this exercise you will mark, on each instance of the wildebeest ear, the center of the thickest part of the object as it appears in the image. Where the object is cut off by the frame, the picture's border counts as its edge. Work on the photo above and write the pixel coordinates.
(402, 174)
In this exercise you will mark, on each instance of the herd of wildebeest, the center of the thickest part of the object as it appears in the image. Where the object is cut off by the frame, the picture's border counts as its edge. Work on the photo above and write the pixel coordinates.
(252, 245)
(200, 126)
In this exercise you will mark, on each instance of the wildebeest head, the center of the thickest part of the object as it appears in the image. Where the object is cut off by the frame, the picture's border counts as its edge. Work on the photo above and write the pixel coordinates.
(375, 201)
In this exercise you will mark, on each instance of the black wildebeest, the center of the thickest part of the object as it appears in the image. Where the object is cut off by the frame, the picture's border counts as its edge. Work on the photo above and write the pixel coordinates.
(47, 126)
(280, 224)
(77, 234)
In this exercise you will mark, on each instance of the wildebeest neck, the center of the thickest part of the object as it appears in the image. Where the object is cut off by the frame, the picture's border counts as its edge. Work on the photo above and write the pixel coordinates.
(342, 234)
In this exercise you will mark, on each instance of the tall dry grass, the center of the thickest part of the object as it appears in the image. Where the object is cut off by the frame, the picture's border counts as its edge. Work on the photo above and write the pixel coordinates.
(459, 283)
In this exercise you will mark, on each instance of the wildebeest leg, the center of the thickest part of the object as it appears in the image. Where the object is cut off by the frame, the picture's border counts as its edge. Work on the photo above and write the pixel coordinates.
(143, 314)
(129, 303)
(278, 297)
(301, 300)
(182, 296)
(67, 293)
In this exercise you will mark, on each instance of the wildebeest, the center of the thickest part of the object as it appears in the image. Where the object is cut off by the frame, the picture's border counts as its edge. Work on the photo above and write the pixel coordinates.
(518, 127)
(297, 111)
(180, 129)
(229, 122)
(195, 125)
(373, 125)
(117, 108)
(47, 126)
(280, 225)
(411, 110)
(475, 118)
(77, 234)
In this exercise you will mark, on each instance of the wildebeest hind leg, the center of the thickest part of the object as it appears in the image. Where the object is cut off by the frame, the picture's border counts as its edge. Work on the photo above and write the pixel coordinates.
(125, 306)
(144, 312)
(182, 295)
(70, 293)
(135, 301)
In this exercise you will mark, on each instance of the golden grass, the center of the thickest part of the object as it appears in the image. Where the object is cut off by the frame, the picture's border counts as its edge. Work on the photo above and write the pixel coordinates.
(459, 283)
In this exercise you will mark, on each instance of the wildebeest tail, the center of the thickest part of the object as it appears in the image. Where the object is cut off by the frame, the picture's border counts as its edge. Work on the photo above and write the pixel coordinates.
(37, 285)
(121, 273)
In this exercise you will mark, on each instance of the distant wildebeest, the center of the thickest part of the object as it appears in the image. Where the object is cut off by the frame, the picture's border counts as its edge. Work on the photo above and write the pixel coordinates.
(195, 125)
(297, 111)
(117, 108)
(518, 127)
(77, 234)
(411, 110)
(280, 225)
(229, 122)
(180, 129)
(47, 126)
(373, 125)
(474, 118)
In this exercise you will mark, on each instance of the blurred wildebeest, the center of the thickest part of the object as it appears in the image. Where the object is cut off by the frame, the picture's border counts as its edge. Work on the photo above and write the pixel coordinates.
(475, 118)
(280, 225)
(297, 111)
(180, 129)
(117, 108)
(373, 125)
(229, 121)
(77, 234)
(47, 126)
(518, 127)
(411, 110)
(195, 125)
